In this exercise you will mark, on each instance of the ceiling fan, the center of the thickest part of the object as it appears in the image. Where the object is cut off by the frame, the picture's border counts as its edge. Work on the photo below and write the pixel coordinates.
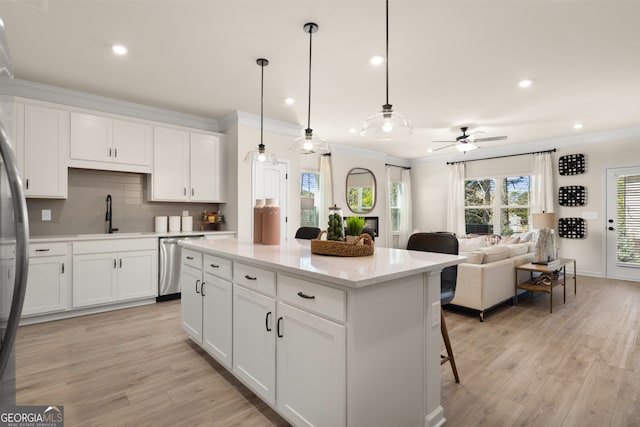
(466, 141)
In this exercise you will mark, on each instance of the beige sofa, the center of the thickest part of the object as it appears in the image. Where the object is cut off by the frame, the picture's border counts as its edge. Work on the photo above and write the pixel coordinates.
(488, 277)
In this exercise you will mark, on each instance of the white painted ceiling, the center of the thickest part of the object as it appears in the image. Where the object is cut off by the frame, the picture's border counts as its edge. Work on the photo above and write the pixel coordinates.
(452, 63)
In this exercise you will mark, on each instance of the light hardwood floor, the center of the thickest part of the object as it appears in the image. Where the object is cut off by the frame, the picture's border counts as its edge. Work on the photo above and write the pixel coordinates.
(523, 366)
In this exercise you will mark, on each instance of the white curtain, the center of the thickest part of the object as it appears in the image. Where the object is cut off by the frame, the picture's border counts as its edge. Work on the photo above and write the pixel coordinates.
(326, 192)
(388, 237)
(543, 194)
(455, 203)
(406, 223)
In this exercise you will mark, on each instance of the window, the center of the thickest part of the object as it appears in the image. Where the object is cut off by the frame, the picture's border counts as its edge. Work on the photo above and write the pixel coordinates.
(506, 210)
(309, 193)
(395, 196)
(628, 230)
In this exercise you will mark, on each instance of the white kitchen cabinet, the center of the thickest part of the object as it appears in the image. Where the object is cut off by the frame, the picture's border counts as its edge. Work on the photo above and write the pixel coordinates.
(113, 271)
(254, 341)
(187, 166)
(41, 144)
(103, 142)
(49, 279)
(207, 304)
(311, 368)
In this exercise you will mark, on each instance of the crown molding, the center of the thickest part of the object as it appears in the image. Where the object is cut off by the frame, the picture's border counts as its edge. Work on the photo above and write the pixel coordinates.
(356, 151)
(250, 120)
(57, 95)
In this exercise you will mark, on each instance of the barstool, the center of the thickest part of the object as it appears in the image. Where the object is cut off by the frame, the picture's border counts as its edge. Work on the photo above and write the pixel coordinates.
(307, 233)
(444, 243)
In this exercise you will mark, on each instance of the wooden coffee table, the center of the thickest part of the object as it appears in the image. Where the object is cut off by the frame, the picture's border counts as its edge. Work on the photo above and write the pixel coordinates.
(559, 278)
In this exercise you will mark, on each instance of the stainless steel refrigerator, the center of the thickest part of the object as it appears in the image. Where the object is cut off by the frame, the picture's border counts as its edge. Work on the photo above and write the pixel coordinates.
(14, 233)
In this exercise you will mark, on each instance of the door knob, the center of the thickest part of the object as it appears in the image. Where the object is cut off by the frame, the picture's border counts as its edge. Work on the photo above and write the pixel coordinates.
(611, 229)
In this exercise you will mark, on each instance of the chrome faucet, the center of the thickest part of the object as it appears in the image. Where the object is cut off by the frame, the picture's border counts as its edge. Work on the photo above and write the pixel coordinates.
(109, 215)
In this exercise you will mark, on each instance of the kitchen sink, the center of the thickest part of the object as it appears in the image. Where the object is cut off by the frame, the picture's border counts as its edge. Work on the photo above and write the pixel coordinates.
(109, 235)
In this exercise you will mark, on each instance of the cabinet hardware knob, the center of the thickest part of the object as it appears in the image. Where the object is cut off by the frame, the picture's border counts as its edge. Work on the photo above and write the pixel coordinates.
(27, 183)
(202, 289)
(120, 262)
(214, 265)
(115, 264)
(246, 276)
(63, 268)
(301, 295)
(42, 250)
(189, 257)
(109, 151)
(266, 322)
(193, 192)
(611, 229)
(278, 328)
(184, 190)
(197, 291)
(116, 152)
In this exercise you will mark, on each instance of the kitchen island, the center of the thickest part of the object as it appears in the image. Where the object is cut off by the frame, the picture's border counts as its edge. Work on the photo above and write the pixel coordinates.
(326, 341)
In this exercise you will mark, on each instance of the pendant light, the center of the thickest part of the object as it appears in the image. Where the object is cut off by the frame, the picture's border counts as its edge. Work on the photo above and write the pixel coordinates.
(261, 154)
(309, 143)
(387, 124)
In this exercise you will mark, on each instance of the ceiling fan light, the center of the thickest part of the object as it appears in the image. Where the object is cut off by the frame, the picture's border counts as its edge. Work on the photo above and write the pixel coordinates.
(466, 146)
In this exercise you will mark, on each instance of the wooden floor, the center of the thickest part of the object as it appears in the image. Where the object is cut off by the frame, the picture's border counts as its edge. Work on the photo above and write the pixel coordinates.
(579, 366)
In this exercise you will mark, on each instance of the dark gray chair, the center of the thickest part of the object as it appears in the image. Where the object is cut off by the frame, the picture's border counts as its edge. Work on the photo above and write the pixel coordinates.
(307, 233)
(444, 243)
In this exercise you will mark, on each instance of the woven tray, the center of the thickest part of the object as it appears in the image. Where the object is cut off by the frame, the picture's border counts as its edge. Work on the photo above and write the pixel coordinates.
(331, 247)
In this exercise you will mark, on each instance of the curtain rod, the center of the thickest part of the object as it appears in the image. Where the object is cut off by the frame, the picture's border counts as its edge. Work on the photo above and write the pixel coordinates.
(396, 166)
(501, 157)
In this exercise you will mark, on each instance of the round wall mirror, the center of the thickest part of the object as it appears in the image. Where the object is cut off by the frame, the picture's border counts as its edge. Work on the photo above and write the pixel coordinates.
(361, 190)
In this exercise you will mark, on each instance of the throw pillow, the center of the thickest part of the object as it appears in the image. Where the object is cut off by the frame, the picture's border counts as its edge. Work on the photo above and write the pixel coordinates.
(470, 245)
(495, 253)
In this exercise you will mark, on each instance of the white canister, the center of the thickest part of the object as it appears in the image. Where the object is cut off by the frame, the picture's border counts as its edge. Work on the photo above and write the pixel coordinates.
(187, 223)
(161, 224)
(174, 223)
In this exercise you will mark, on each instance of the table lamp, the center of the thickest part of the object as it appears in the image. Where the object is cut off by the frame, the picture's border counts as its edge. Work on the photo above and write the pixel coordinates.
(545, 245)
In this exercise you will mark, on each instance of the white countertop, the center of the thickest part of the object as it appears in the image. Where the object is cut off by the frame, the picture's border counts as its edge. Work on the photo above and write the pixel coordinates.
(124, 235)
(295, 257)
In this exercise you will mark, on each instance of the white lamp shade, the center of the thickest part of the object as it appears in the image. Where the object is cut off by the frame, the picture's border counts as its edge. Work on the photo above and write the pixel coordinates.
(385, 126)
(264, 157)
(544, 220)
(309, 144)
(466, 146)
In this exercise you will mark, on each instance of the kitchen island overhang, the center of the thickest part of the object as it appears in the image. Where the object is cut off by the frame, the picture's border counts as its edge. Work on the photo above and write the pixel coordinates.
(384, 308)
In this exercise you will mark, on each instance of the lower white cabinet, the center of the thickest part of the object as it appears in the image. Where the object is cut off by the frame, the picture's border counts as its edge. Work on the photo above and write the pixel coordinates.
(206, 311)
(49, 279)
(106, 277)
(254, 341)
(311, 366)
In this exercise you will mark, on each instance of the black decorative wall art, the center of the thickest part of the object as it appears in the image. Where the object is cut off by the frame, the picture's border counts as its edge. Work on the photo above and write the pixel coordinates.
(571, 164)
(572, 228)
(572, 195)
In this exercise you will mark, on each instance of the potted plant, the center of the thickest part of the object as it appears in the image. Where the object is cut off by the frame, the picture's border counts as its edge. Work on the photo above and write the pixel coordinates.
(355, 224)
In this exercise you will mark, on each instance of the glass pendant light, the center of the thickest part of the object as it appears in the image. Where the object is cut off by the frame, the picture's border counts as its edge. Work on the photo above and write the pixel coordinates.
(309, 143)
(387, 124)
(261, 154)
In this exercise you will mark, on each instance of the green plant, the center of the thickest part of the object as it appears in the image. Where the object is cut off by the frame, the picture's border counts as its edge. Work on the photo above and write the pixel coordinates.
(355, 224)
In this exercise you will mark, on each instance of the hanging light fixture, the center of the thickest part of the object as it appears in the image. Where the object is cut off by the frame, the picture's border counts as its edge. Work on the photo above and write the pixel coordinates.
(387, 124)
(309, 143)
(261, 154)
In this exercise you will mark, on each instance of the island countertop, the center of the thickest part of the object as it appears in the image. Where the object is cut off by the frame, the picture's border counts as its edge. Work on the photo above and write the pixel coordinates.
(354, 272)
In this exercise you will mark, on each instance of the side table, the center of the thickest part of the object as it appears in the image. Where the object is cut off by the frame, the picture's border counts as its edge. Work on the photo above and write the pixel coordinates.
(537, 285)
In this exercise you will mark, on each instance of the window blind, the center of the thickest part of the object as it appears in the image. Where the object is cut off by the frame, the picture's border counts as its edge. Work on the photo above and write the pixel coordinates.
(628, 229)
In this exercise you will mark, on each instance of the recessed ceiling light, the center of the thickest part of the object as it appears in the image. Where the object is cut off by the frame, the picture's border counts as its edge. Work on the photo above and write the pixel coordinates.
(578, 126)
(430, 150)
(289, 101)
(525, 83)
(119, 49)
(377, 60)
(352, 130)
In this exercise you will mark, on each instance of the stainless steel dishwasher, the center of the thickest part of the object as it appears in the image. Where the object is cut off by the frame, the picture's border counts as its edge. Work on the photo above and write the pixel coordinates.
(169, 266)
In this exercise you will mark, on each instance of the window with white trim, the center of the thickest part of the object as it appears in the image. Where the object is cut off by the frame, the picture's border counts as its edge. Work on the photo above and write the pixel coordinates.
(395, 197)
(309, 194)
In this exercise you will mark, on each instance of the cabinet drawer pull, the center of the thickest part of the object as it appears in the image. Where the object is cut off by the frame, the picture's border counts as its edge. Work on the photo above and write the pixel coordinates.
(184, 190)
(266, 322)
(42, 250)
(214, 265)
(246, 276)
(120, 262)
(202, 289)
(278, 328)
(305, 296)
(115, 263)
(189, 257)
(116, 152)
(193, 192)
(63, 268)
(109, 152)
(27, 183)
(197, 282)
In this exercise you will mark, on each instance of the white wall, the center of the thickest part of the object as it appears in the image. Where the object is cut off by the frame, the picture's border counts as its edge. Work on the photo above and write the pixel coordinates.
(430, 183)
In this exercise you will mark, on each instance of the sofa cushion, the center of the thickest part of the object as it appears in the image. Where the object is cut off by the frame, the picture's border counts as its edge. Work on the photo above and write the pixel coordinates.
(495, 253)
(518, 249)
(470, 245)
(526, 237)
(475, 257)
(508, 240)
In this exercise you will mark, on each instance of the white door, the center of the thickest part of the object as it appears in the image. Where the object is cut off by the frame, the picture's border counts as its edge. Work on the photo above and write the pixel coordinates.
(94, 279)
(623, 223)
(91, 138)
(132, 143)
(46, 285)
(216, 318)
(270, 182)
(311, 368)
(137, 274)
(254, 342)
(204, 162)
(190, 282)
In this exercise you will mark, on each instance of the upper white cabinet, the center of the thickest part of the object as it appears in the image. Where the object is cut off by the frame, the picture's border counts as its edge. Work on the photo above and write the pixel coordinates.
(41, 145)
(187, 166)
(113, 143)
